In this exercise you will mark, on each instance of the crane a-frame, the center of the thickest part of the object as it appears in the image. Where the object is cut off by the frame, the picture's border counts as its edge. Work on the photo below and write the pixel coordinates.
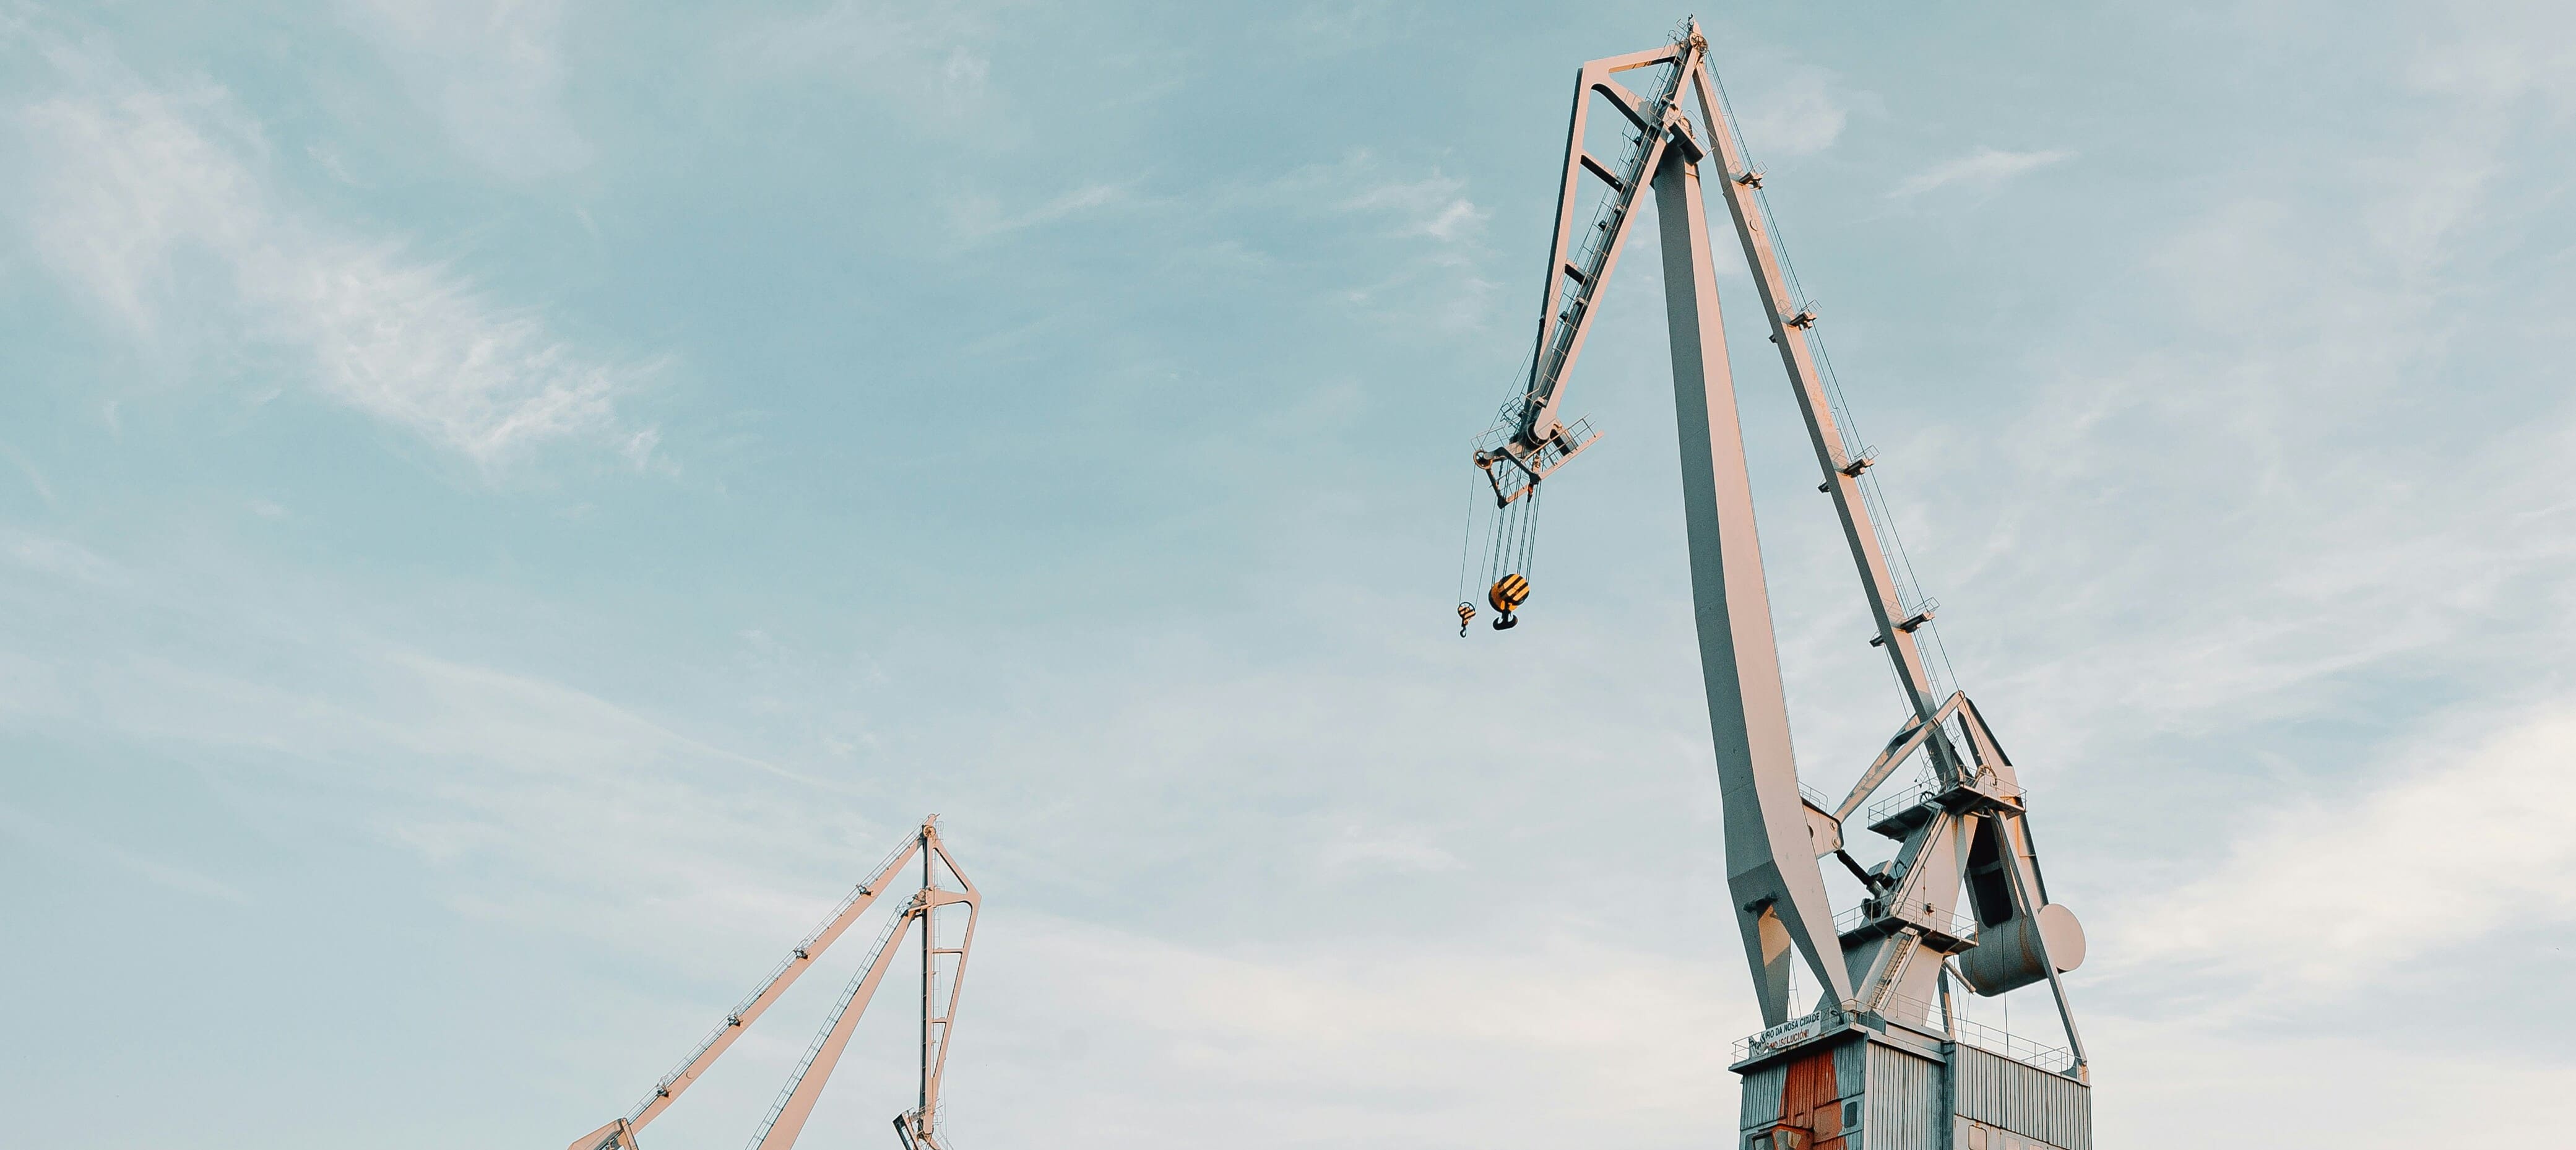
(941, 967)
(1882, 1050)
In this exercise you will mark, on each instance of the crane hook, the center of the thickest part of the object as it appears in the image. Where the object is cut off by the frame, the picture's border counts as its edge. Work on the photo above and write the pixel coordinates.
(1466, 615)
(1509, 592)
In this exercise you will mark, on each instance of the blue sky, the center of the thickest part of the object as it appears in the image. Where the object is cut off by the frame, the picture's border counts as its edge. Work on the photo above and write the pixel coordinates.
(508, 508)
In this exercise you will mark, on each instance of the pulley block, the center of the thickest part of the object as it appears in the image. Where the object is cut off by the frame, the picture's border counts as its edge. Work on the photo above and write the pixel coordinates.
(1508, 593)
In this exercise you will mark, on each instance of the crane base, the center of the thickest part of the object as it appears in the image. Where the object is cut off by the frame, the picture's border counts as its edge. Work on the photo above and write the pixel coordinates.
(1877, 1084)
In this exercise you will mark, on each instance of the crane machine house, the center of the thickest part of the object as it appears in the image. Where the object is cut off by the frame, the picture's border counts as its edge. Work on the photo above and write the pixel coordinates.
(1883, 1058)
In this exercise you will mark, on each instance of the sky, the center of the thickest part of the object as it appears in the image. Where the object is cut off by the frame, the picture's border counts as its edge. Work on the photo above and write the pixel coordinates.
(507, 509)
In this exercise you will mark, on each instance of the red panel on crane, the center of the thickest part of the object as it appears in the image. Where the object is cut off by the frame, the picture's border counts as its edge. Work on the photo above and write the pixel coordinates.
(1811, 1100)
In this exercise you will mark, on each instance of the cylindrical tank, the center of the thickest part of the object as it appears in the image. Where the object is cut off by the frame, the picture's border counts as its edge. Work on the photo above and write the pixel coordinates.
(2008, 955)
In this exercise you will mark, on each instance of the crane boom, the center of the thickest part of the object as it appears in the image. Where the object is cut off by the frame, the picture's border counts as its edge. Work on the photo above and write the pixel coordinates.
(786, 1118)
(620, 1133)
(916, 1128)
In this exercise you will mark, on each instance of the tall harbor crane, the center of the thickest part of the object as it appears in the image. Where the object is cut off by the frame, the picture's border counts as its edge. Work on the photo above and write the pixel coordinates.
(1882, 1049)
(941, 967)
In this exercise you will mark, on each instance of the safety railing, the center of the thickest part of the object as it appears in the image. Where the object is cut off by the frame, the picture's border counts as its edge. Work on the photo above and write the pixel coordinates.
(814, 1049)
(1790, 1033)
(1990, 783)
(1923, 1015)
(1931, 918)
(876, 879)
(1917, 793)
(1917, 1014)
(1925, 789)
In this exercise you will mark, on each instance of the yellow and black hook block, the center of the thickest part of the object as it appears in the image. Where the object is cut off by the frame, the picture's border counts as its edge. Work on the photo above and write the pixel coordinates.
(1509, 592)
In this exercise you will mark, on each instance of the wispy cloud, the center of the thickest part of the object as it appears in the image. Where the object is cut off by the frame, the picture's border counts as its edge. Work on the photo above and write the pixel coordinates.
(27, 467)
(1793, 112)
(138, 191)
(489, 71)
(594, 809)
(1360, 851)
(931, 59)
(1344, 212)
(1435, 207)
(982, 217)
(2497, 55)
(21, 825)
(1981, 169)
(60, 558)
(2325, 896)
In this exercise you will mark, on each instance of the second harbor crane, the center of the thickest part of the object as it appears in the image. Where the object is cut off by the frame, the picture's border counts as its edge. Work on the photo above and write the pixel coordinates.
(941, 966)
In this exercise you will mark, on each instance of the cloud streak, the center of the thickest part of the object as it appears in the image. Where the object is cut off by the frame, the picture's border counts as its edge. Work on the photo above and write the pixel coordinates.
(1795, 113)
(2321, 899)
(28, 828)
(147, 200)
(1983, 169)
(1434, 207)
(491, 73)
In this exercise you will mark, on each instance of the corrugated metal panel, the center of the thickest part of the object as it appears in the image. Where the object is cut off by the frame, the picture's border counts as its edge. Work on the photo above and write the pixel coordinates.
(1905, 1109)
(2024, 1099)
(1762, 1096)
(1851, 1067)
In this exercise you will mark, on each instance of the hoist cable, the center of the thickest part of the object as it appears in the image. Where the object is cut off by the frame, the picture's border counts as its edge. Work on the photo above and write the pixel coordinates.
(1529, 537)
(1873, 498)
(1467, 538)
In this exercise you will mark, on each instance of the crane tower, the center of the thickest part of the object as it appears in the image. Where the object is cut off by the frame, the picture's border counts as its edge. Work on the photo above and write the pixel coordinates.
(1882, 1057)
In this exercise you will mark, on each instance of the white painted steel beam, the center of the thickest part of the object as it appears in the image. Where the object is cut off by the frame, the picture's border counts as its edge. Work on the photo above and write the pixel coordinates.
(786, 1118)
(620, 1133)
(806, 1087)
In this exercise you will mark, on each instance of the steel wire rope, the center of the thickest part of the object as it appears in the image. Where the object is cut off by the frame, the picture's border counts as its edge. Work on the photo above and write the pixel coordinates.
(1855, 445)
(1529, 536)
(1467, 539)
(1847, 426)
(1882, 520)
(1514, 546)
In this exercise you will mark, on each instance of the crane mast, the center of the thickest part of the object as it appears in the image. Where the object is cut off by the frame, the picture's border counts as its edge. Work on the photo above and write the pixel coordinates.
(1884, 969)
(785, 1119)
